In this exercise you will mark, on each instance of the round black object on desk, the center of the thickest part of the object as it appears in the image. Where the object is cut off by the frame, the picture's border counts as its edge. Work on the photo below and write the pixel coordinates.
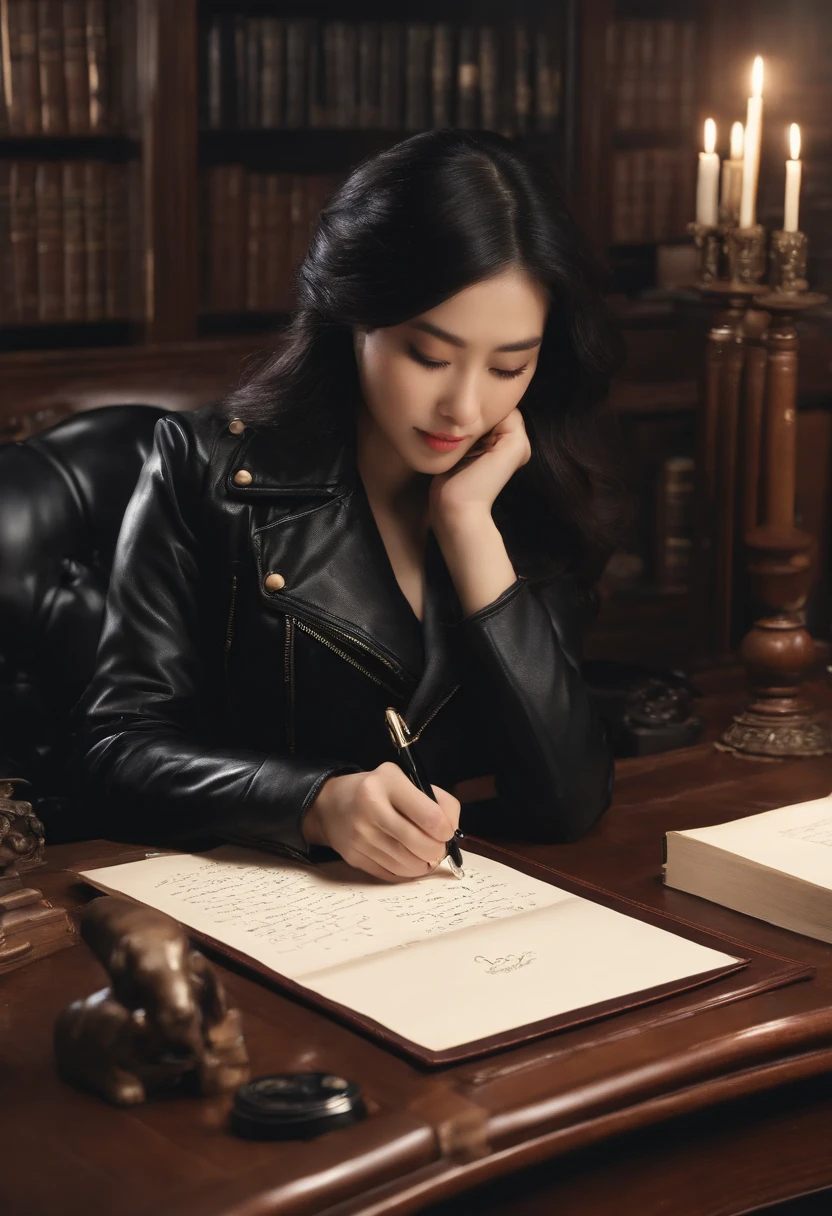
(295, 1106)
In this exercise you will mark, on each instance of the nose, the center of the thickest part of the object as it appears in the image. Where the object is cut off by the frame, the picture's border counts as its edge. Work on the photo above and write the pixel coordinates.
(461, 405)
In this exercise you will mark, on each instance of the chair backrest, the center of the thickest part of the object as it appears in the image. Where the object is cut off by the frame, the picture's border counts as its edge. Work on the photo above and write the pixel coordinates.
(63, 494)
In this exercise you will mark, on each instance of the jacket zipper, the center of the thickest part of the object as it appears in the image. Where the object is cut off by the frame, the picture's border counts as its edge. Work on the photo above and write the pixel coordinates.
(415, 735)
(289, 677)
(348, 658)
(229, 627)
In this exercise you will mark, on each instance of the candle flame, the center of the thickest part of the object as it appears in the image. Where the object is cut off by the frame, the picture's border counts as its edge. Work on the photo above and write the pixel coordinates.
(757, 77)
(794, 141)
(710, 135)
(737, 139)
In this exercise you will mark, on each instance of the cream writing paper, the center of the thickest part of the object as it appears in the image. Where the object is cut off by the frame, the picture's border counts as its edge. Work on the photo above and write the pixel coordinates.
(440, 961)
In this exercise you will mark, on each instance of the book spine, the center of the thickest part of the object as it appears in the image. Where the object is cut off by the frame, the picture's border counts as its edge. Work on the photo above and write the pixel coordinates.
(213, 74)
(5, 68)
(674, 516)
(8, 313)
(51, 67)
(271, 259)
(24, 110)
(627, 79)
(547, 82)
(214, 228)
(417, 61)
(522, 79)
(76, 84)
(282, 236)
(255, 244)
(369, 81)
(442, 74)
(24, 238)
(346, 58)
(75, 301)
(239, 82)
(94, 228)
(50, 241)
(297, 71)
(116, 243)
(298, 235)
(687, 75)
(98, 68)
(666, 114)
(488, 77)
(273, 73)
(254, 68)
(646, 77)
(467, 77)
(237, 239)
(392, 55)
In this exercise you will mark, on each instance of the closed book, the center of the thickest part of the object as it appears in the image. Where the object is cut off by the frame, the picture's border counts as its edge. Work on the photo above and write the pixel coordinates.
(49, 214)
(254, 68)
(646, 77)
(24, 111)
(229, 65)
(775, 866)
(467, 78)
(522, 79)
(346, 67)
(547, 81)
(76, 82)
(94, 227)
(5, 70)
(369, 75)
(238, 85)
(391, 86)
(235, 241)
(51, 67)
(298, 231)
(627, 61)
(674, 523)
(667, 109)
(212, 69)
(274, 240)
(488, 77)
(298, 42)
(687, 75)
(442, 74)
(8, 312)
(116, 243)
(98, 65)
(272, 72)
(255, 243)
(24, 237)
(417, 76)
(75, 269)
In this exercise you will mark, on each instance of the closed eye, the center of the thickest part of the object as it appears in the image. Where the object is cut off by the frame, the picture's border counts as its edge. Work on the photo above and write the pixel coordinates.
(503, 374)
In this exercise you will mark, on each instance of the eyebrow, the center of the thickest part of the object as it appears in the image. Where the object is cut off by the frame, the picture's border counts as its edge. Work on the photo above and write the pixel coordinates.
(429, 328)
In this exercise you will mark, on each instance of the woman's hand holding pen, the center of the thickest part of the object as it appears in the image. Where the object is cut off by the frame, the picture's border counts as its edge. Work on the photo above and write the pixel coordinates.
(380, 823)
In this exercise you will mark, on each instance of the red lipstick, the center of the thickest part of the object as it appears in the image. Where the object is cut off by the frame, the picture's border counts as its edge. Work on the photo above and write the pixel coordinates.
(441, 442)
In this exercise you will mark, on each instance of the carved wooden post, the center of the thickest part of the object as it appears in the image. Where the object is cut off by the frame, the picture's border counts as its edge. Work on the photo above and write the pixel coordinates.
(778, 652)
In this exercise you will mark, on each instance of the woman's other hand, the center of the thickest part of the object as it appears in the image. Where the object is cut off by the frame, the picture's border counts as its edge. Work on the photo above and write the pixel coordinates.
(380, 823)
(470, 487)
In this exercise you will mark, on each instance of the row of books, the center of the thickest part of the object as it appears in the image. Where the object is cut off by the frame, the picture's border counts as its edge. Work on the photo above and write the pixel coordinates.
(651, 73)
(63, 69)
(276, 72)
(663, 560)
(255, 232)
(651, 195)
(64, 241)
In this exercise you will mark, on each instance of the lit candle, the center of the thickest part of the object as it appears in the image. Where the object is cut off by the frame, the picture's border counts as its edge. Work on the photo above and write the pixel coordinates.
(751, 158)
(707, 183)
(793, 171)
(732, 174)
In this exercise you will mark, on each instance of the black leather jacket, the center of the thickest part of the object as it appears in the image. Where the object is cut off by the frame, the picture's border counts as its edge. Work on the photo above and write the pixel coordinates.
(225, 696)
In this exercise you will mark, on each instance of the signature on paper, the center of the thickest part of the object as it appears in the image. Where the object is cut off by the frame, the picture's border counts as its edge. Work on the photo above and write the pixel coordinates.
(510, 962)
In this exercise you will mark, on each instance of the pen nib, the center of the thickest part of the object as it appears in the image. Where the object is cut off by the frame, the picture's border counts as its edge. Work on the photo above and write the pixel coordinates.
(455, 869)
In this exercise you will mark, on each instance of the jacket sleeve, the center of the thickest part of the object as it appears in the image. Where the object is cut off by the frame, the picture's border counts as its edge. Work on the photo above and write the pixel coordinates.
(143, 747)
(555, 766)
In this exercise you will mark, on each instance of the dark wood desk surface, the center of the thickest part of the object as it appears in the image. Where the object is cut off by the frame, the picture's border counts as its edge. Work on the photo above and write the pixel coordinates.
(707, 1113)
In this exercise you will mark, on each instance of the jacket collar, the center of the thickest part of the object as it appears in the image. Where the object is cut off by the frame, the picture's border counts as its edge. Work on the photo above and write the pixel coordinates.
(262, 455)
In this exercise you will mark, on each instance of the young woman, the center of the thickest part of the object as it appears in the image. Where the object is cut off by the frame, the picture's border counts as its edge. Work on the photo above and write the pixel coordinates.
(392, 511)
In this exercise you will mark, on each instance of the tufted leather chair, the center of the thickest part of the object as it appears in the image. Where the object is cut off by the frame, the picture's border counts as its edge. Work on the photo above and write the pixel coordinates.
(63, 493)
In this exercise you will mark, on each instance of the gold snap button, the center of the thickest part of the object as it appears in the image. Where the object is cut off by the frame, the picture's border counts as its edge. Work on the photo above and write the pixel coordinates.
(242, 478)
(275, 582)
(236, 426)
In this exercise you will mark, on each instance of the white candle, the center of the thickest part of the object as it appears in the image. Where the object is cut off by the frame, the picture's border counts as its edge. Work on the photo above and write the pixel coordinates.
(707, 183)
(751, 158)
(732, 174)
(793, 172)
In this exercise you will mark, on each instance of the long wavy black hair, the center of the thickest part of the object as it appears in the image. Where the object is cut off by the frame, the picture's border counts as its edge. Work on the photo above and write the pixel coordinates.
(410, 227)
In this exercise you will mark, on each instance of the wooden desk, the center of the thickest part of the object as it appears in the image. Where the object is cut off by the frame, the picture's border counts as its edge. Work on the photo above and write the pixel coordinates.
(709, 1113)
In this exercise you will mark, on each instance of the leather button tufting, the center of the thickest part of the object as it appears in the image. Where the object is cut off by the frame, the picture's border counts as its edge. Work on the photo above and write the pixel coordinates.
(275, 582)
(242, 478)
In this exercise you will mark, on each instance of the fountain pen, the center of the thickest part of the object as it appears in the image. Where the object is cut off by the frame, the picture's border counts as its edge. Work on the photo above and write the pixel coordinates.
(412, 766)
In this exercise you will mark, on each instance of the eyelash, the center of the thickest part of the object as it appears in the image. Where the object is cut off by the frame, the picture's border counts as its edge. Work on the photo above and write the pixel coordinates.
(498, 371)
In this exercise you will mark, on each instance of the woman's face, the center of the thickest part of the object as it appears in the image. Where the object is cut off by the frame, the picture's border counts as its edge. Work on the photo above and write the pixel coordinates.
(432, 386)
